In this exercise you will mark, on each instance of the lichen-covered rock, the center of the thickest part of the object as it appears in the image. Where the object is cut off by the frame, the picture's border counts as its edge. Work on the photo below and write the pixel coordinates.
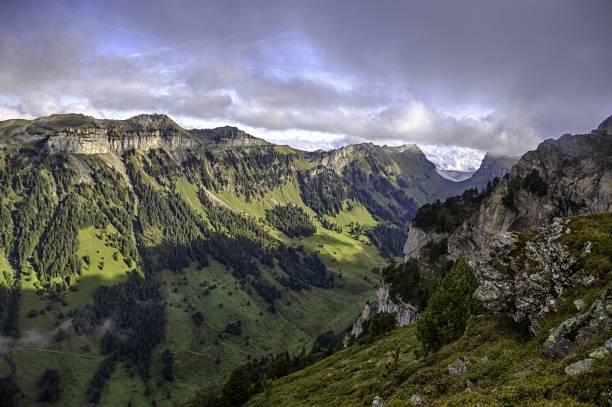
(579, 367)
(417, 399)
(378, 402)
(525, 281)
(581, 327)
(459, 366)
(599, 353)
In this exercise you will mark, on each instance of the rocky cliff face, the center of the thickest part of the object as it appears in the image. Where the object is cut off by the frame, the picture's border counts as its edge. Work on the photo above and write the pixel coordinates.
(405, 313)
(78, 134)
(565, 177)
(103, 141)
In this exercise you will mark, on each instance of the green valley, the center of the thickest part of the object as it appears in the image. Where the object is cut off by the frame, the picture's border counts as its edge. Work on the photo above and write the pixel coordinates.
(143, 262)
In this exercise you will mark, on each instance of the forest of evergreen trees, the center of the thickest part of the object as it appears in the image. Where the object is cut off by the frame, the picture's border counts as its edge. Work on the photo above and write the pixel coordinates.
(291, 220)
(444, 217)
(322, 190)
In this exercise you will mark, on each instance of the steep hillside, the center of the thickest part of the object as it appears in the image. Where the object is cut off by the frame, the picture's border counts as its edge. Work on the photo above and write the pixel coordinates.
(541, 338)
(143, 262)
(527, 321)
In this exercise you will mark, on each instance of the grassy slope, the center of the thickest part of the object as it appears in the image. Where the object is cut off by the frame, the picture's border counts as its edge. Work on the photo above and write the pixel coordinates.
(303, 315)
(300, 317)
(512, 370)
(37, 350)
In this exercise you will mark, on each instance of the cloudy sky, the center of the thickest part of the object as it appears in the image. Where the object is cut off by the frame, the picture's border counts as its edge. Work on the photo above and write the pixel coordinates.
(456, 77)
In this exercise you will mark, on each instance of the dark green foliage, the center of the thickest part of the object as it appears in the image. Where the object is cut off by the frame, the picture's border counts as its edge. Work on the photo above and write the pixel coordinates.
(291, 220)
(329, 225)
(56, 254)
(250, 173)
(238, 388)
(405, 283)
(234, 328)
(45, 223)
(249, 241)
(9, 391)
(322, 190)
(98, 381)
(448, 309)
(6, 227)
(388, 239)
(167, 364)
(512, 187)
(31, 214)
(197, 318)
(533, 182)
(9, 311)
(165, 210)
(436, 249)
(447, 216)
(136, 309)
(376, 326)
(49, 386)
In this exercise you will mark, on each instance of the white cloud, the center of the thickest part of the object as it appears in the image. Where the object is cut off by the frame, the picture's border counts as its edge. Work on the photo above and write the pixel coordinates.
(453, 158)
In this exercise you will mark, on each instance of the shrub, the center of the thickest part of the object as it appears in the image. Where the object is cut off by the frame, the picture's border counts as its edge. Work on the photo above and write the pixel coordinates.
(234, 328)
(49, 385)
(446, 315)
(197, 318)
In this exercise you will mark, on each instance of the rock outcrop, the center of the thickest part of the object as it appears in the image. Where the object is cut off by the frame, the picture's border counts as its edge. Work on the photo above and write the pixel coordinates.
(580, 328)
(404, 313)
(524, 279)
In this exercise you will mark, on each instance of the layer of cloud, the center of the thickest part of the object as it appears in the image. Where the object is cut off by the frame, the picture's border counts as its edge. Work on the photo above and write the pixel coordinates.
(477, 75)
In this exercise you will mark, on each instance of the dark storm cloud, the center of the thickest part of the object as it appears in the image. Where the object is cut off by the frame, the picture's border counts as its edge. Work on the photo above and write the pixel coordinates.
(490, 75)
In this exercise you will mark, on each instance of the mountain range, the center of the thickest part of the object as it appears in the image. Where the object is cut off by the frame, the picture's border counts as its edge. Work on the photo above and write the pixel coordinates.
(140, 261)
(504, 299)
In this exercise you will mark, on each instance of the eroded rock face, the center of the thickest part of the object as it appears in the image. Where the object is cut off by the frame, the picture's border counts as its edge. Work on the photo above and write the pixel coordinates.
(100, 141)
(525, 282)
(404, 313)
